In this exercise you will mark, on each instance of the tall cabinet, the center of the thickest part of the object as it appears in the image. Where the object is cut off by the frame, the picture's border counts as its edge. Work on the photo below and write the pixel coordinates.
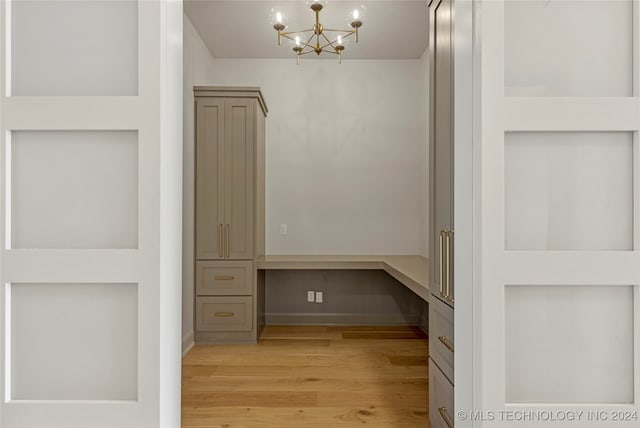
(441, 310)
(229, 232)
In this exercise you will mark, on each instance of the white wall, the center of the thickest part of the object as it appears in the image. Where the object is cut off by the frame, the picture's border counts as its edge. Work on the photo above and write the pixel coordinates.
(346, 153)
(197, 65)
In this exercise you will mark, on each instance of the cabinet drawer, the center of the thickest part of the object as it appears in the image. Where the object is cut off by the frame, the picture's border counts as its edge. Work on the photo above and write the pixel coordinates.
(441, 337)
(224, 278)
(441, 410)
(224, 313)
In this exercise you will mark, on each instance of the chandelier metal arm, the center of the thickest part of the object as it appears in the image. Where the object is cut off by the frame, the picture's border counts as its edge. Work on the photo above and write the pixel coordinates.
(309, 41)
(329, 43)
(319, 33)
(347, 32)
(288, 34)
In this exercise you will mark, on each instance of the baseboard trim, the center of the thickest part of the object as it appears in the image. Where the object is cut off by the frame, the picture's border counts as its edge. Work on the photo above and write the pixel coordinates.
(340, 319)
(187, 343)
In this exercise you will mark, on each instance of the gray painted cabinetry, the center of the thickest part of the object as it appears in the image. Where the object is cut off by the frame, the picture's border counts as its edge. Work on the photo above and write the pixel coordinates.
(441, 236)
(229, 213)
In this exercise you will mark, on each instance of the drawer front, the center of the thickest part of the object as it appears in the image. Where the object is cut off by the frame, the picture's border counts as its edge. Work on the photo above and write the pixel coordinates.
(441, 339)
(224, 278)
(224, 313)
(441, 410)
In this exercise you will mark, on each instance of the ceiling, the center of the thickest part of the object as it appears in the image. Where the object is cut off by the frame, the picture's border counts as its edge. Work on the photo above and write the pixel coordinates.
(394, 29)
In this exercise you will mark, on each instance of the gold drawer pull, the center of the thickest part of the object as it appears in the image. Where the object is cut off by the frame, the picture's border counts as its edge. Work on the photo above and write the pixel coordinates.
(445, 416)
(446, 342)
(224, 314)
(224, 278)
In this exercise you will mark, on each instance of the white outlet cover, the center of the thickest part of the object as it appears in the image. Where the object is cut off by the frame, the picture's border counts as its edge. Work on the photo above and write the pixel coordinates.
(319, 297)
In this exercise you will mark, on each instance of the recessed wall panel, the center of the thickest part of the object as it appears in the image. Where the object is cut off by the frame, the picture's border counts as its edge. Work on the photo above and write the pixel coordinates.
(71, 47)
(575, 48)
(569, 190)
(74, 189)
(74, 341)
(569, 344)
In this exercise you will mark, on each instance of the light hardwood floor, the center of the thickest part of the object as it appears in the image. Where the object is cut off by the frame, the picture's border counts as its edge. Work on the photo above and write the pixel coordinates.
(310, 376)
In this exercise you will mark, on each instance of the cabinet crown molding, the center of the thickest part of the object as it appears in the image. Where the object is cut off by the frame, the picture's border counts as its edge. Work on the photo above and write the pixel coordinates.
(232, 91)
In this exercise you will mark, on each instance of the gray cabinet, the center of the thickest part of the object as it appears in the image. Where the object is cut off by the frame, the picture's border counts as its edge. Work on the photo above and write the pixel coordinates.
(229, 231)
(441, 152)
(225, 144)
(441, 228)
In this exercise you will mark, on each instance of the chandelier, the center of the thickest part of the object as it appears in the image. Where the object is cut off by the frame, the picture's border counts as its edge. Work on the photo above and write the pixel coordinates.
(317, 38)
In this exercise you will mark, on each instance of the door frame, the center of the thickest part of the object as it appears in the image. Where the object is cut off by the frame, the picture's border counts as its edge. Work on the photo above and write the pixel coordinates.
(467, 197)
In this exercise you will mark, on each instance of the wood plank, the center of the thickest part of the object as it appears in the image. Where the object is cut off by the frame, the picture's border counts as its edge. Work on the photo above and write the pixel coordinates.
(298, 332)
(301, 342)
(325, 371)
(400, 360)
(384, 335)
(390, 384)
(300, 376)
(250, 398)
(319, 417)
(374, 328)
(373, 398)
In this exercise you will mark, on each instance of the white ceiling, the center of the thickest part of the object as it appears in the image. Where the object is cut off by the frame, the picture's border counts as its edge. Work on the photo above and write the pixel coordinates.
(394, 29)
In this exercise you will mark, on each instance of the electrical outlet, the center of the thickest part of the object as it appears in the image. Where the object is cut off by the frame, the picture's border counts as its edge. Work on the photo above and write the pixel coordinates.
(283, 229)
(311, 296)
(319, 297)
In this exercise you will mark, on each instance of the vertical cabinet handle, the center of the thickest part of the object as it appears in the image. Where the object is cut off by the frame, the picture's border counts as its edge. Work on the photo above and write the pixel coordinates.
(441, 259)
(446, 265)
(445, 416)
(449, 245)
(228, 238)
(220, 240)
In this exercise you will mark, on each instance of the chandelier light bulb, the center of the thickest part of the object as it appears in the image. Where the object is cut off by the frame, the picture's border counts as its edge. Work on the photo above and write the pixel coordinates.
(357, 17)
(339, 41)
(297, 40)
(278, 20)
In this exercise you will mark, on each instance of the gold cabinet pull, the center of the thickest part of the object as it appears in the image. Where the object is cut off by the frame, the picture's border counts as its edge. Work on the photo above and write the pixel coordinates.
(445, 416)
(449, 267)
(445, 258)
(446, 342)
(224, 278)
(228, 238)
(224, 314)
(441, 267)
(220, 240)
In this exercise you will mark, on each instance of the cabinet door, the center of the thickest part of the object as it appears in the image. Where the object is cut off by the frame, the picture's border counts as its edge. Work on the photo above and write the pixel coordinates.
(442, 150)
(209, 183)
(239, 177)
